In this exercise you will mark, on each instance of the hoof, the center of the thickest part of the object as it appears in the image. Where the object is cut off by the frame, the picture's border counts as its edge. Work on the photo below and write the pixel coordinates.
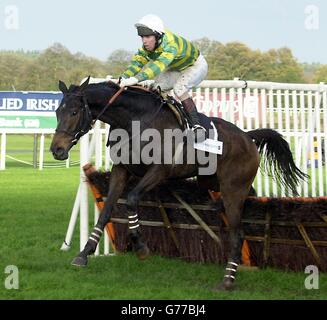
(226, 285)
(79, 262)
(143, 252)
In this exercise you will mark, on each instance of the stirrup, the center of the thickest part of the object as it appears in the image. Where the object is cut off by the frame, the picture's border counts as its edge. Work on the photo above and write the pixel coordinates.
(198, 126)
(199, 133)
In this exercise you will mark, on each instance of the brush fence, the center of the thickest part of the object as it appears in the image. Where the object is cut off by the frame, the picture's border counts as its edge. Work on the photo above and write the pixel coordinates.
(182, 220)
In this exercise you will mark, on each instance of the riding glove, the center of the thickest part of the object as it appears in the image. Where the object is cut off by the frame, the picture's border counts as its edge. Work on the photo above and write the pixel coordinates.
(128, 82)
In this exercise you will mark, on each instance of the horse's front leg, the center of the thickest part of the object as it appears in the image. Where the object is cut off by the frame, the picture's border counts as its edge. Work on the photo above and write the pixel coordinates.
(152, 178)
(118, 179)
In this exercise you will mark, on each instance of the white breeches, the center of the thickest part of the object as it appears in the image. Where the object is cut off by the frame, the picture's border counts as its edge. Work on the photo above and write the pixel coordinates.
(183, 81)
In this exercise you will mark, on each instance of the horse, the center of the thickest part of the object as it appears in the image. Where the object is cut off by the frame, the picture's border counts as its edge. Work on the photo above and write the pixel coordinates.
(234, 172)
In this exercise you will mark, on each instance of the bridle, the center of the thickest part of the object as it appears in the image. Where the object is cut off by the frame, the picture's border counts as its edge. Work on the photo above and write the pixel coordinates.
(86, 121)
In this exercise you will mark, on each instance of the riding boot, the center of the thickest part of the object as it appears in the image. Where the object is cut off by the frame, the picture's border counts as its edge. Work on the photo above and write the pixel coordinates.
(197, 128)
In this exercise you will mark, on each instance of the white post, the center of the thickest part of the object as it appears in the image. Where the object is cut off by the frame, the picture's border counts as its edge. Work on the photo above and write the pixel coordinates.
(223, 105)
(98, 145)
(107, 160)
(297, 146)
(72, 222)
(247, 108)
(240, 110)
(264, 111)
(207, 104)
(106, 244)
(280, 126)
(96, 217)
(98, 163)
(310, 127)
(287, 125)
(257, 125)
(325, 130)
(272, 126)
(319, 143)
(304, 142)
(41, 152)
(231, 93)
(3, 151)
(84, 212)
(215, 104)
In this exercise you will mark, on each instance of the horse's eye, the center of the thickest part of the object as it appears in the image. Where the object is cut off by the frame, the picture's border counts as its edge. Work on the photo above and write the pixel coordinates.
(74, 113)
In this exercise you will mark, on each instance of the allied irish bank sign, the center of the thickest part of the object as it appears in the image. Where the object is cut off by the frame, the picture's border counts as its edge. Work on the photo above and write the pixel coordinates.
(28, 110)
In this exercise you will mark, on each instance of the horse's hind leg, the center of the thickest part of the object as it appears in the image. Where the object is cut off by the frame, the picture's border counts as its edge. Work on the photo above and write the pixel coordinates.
(233, 203)
(235, 188)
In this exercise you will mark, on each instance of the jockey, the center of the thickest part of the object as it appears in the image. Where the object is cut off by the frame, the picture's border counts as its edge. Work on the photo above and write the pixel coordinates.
(172, 61)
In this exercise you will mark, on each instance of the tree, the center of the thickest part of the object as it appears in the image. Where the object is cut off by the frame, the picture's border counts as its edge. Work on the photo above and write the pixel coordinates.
(207, 46)
(234, 60)
(281, 66)
(118, 62)
(11, 68)
(321, 74)
(33, 70)
(309, 70)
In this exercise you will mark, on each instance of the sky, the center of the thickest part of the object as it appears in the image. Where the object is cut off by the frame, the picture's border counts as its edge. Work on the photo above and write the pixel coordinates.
(98, 27)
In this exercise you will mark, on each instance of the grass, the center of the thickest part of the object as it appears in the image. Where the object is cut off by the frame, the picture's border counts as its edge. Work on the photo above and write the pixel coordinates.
(35, 207)
(20, 147)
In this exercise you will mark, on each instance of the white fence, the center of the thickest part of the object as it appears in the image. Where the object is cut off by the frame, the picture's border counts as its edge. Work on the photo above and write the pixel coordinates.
(297, 111)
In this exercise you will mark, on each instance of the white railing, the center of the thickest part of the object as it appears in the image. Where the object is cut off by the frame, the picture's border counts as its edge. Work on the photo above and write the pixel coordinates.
(297, 111)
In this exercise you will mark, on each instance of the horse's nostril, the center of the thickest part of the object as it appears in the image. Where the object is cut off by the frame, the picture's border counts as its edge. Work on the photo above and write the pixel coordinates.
(60, 151)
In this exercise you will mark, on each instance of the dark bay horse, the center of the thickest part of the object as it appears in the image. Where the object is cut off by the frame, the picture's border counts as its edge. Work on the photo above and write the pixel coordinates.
(235, 169)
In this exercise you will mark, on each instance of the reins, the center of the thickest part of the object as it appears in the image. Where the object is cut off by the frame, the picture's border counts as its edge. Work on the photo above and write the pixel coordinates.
(87, 122)
(110, 102)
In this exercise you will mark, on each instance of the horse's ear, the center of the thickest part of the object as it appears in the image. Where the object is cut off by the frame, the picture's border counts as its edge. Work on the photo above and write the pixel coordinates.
(63, 87)
(84, 84)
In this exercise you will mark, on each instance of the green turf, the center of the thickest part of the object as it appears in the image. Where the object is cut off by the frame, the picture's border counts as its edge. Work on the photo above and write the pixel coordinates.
(19, 152)
(34, 214)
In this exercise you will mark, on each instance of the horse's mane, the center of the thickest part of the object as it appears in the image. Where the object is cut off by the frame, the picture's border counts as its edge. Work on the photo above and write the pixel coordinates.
(105, 84)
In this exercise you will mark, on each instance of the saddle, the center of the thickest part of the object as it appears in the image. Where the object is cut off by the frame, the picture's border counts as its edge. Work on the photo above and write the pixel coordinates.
(211, 144)
(176, 107)
(183, 117)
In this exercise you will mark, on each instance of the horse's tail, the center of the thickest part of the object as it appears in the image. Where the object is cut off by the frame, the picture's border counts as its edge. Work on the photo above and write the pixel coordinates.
(278, 157)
